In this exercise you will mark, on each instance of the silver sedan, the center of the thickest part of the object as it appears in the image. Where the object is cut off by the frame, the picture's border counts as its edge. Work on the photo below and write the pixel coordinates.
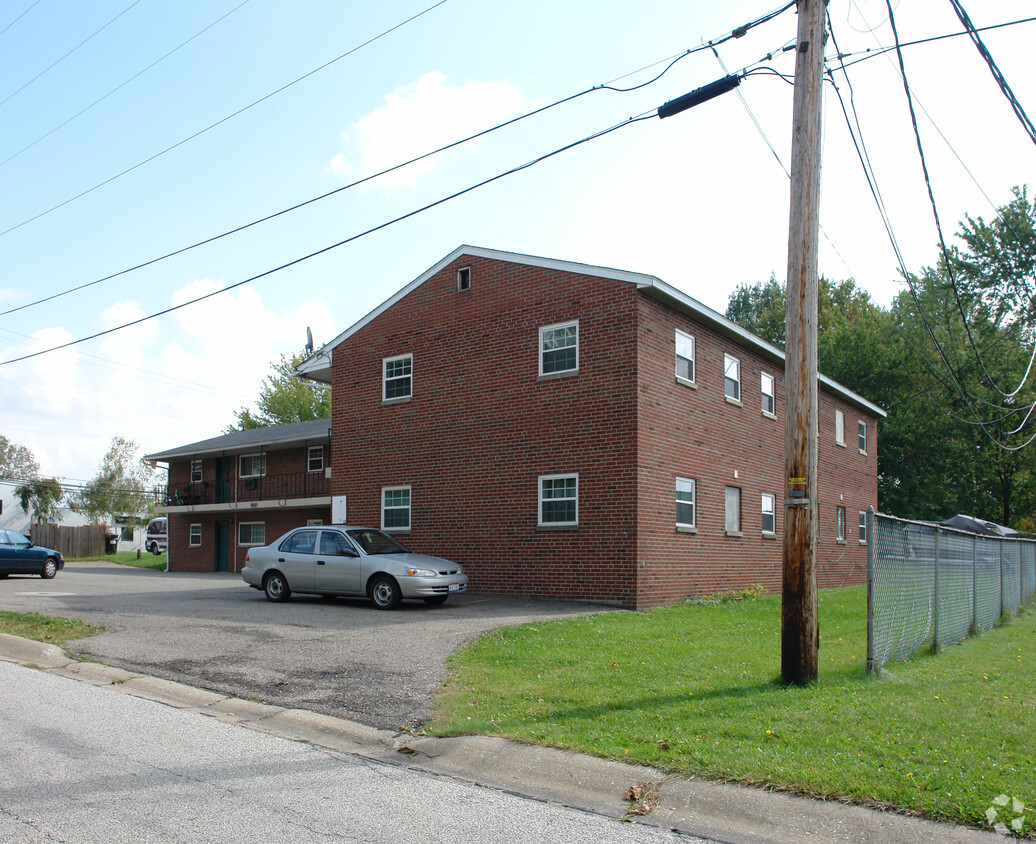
(338, 560)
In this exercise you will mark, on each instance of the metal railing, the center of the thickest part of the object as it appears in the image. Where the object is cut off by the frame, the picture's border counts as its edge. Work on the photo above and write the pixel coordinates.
(929, 585)
(260, 488)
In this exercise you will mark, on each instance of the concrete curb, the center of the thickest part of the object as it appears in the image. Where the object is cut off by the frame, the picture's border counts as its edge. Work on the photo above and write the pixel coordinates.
(716, 811)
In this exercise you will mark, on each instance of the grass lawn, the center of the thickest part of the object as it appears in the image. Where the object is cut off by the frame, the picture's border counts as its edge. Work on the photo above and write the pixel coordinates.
(695, 689)
(128, 558)
(44, 628)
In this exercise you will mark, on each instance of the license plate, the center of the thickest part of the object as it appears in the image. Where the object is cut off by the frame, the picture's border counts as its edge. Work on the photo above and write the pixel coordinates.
(455, 587)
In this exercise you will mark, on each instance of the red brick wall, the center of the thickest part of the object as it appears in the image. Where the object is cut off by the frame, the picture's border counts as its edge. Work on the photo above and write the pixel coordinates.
(481, 428)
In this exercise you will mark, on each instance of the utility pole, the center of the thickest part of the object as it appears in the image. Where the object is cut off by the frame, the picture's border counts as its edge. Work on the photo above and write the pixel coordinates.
(800, 633)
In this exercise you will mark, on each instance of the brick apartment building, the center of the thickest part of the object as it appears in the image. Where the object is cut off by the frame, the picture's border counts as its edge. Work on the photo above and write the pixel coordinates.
(564, 431)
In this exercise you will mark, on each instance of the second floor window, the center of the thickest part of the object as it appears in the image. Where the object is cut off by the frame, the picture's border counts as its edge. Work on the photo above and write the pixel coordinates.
(252, 466)
(769, 404)
(397, 377)
(732, 378)
(559, 348)
(195, 471)
(863, 436)
(839, 428)
(315, 458)
(684, 356)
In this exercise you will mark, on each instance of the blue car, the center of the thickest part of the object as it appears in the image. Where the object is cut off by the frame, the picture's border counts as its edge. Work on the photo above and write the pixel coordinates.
(19, 555)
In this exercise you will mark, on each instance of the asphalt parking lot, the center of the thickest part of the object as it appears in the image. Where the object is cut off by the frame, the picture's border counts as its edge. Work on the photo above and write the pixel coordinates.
(340, 657)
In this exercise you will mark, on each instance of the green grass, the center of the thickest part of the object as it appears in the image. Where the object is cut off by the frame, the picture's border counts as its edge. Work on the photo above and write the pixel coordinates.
(44, 628)
(695, 689)
(128, 558)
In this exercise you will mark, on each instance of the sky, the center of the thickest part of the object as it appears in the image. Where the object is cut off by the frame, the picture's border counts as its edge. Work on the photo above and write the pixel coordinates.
(133, 129)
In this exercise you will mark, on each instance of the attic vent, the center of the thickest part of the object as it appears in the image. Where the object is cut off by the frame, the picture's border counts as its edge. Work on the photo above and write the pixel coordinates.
(463, 279)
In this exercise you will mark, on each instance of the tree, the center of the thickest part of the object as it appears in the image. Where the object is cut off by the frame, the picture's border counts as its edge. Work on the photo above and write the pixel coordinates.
(285, 399)
(16, 461)
(121, 486)
(40, 498)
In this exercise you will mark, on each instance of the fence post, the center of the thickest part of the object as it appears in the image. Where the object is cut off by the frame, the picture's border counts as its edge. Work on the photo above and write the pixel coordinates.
(1003, 610)
(935, 596)
(871, 544)
(974, 585)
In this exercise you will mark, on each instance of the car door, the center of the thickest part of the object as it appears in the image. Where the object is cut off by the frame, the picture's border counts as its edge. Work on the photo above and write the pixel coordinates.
(297, 559)
(338, 565)
(6, 552)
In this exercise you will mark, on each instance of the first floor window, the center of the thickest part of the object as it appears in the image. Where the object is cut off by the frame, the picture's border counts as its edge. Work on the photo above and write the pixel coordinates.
(397, 377)
(253, 465)
(559, 348)
(684, 356)
(195, 540)
(559, 499)
(732, 378)
(195, 471)
(315, 458)
(769, 514)
(766, 382)
(684, 502)
(733, 509)
(863, 527)
(395, 508)
(840, 524)
(251, 533)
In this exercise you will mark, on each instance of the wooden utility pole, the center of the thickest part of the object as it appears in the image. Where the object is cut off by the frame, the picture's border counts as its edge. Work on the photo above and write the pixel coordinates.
(800, 633)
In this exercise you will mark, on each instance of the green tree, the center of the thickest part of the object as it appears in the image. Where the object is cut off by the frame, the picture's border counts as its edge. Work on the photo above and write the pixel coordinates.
(40, 499)
(121, 487)
(16, 461)
(285, 399)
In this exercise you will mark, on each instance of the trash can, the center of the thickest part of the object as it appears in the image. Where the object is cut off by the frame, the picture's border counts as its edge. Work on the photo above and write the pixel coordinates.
(111, 544)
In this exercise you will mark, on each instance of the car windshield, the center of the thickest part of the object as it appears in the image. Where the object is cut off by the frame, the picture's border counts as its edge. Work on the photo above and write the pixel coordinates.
(376, 542)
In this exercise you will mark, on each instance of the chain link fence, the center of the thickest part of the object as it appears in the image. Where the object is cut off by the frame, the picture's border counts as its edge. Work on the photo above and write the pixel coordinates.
(929, 585)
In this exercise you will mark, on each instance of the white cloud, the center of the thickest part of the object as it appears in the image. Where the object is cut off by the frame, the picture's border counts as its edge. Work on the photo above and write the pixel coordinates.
(419, 117)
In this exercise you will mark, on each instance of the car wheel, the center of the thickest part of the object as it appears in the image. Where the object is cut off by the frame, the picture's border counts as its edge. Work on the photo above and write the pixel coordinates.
(154, 548)
(436, 600)
(50, 568)
(276, 587)
(384, 592)
(2, 576)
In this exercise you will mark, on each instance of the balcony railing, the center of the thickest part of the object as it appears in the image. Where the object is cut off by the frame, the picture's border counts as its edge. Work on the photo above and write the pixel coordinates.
(263, 488)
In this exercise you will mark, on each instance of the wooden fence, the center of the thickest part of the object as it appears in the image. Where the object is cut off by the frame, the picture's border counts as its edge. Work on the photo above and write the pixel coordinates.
(84, 541)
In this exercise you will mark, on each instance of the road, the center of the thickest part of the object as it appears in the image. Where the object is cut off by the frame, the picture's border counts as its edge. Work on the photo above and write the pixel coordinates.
(83, 763)
(338, 657)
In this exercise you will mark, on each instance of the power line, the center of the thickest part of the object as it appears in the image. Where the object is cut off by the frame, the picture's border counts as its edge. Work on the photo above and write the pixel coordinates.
(220, 122)
(608, 86)
(22, 15)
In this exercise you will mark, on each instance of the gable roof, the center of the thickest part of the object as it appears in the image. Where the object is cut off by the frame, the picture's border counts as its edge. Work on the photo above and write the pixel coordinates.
(318, 366)
(276, 436)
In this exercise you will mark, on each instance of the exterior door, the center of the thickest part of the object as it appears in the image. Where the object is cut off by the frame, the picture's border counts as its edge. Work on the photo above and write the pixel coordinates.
(222, 546)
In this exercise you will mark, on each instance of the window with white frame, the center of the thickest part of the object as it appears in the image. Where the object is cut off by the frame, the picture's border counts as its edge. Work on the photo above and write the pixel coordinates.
(395, 508)
(251, 533)
(315, 458)
(559, 348)
(684, 357)
(862, 428)
(195, 471)
(732, 377)
(397, 377)
(463, 279)
(559, 499)
(732, 510)
(252, 466)
(863, 527)
(685, 503)
(766, 386)
(314, 522)
(769, 513)
(840, 524)
(839, 428)
(195, 536)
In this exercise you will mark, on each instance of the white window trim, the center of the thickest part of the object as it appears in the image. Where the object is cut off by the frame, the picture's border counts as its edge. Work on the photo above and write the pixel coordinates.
(861, 434)
(727, 360)
(839, 428)
(198, 464)
(772, 512)
(408, 508)
(763, 376)
(254, 455)
(740, 515)
(314, 522)
(541, 350)
(463, 279)
(190, 535)
(309, 458)
(250, 544)
(540, 500)
(385, 378)
(690, 382)
(692, 526)
(863, 527)
(840, 525)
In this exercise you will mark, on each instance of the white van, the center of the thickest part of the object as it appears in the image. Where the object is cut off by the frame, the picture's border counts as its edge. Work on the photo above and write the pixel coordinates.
(157, 535)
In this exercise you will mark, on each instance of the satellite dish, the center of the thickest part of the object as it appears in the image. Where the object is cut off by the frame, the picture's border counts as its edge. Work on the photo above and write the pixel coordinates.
(309, 340)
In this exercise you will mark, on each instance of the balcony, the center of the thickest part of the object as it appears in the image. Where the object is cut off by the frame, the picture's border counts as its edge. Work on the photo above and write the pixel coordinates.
(293, 486)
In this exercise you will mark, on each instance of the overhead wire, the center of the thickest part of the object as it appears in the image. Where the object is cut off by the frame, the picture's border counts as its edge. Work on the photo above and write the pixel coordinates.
(22, 15)
(608, 86)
